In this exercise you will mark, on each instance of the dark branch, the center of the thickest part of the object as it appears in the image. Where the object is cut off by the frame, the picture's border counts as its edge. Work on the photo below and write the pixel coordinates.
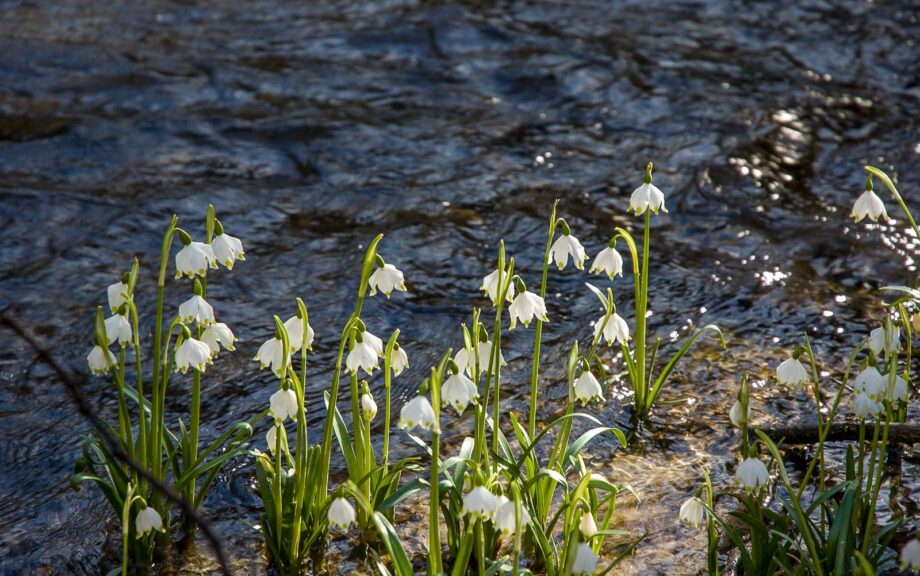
(840, 431)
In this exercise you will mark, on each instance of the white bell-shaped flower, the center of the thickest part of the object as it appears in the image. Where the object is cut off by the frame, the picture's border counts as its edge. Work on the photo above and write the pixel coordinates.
(647, 197)
(881, 341)
(752, 473)
(567, 246)
(865, 407)
(368, 407)
(227, 249)
(737, 415)
(910, 555)
(458, 391)
(418, 412)
(294, 328)
(869, 204)
(115, 294)
(791, 372)
(100, 360)
(283, 404)
(196, 308)
(526, 307)
(118, 328)
(609, 261)
(193, 354)
(363, 355)
(399, 361)
(217, 335)
(616, 330)
(271, 438)
(341, 514)
(692, 512)
(585, 560)
(194, 259)
(272, 353)
(480, 503)
(386, 279)
(587, 526)
(147, 520)
(505, 518)
(588, 388)
(490, 286)
(465, 360)
(900, 390)
(871, 382)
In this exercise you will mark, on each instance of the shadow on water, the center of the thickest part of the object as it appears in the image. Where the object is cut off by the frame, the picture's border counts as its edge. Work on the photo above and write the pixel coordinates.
(446, 126)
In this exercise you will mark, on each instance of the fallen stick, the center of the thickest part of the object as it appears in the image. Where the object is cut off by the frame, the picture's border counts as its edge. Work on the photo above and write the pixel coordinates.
(840, 431)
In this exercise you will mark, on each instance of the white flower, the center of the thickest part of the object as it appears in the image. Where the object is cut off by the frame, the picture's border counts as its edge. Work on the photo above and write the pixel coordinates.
(585, 560)
(227, 249)
(217, 335)
(490, 286)
(192, 354)
(525, 307)
(196, 308)
(900, 391)
(910, 555)
(283, 404)
(374, 342)
(294, 328)
(608, 260)
(458, 391)
(465, 360)
(118, 328)
(871, 382)
(116, 299)
(647, 197)
(868, 204)
(100, 360)
(194, 259)
(147, 520)
(565, 246)
(480, 502)
(399, 361)
(364, 356)
(272, 353)
(692, 512)
(879, 343)
(271, 438)
(368, 407)
(864, 406)
(418, 412)
(587, 388)
(616, 329)
(505, 517)
(386, 279)
(587, 526)
(341, 514)
(752, 473)
(737, 415)
(791, 372)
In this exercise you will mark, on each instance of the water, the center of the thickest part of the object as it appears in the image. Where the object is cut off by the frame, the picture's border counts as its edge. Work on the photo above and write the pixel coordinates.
(446, 126)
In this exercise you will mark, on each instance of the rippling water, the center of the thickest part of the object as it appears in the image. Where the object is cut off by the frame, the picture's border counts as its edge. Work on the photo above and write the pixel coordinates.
(446, 126)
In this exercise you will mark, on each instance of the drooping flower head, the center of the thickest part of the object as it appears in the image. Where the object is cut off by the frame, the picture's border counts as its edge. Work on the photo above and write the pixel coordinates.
(692, 512)
(294, 328)
(567, 246)
(227, 249)
(737, 414)
(587, 388)
(115, 294)
(647, 196)
(585, 560)
(868, 204)
(865, 407)
(871, 382)
(341, 514)
(609, 261)
(480, 503)
(363, 355)
(100, 360)
(490, 287)
(196, 308)
(752, 473)
(217, 335)
(616, 330)
(386, 278)
(368, 407)
(272, 353)
(910, 555)
(194, 258)
(505, 518)
(399, 361)
(587, 526)
(118, 328)
(791, 372)
(418, 412)
(147, 520)
(885, 341)
(458, 391)
(526, 307)
(283, 404)
(193, 354)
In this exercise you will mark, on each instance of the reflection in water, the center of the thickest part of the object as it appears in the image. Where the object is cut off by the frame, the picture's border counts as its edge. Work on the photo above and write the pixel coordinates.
(446, 126)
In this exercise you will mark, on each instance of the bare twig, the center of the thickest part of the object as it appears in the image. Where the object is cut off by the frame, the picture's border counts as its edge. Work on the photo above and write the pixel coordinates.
(74, 382)
(840, 431)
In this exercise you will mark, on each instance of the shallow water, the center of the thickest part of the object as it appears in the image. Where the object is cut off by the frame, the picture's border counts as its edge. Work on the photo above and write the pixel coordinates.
(446, 126)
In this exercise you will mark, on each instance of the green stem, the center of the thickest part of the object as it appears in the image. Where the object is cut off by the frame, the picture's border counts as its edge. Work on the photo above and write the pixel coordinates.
(538, 336)
(897, 196)
(142, 413)
(641, 309)
(434, 523)
(156, 422)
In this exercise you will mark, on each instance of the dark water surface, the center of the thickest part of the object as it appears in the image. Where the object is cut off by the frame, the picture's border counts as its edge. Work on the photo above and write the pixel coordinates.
(446, 126)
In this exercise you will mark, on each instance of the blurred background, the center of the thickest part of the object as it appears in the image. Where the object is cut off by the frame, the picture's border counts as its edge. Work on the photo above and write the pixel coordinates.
(311, 126)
